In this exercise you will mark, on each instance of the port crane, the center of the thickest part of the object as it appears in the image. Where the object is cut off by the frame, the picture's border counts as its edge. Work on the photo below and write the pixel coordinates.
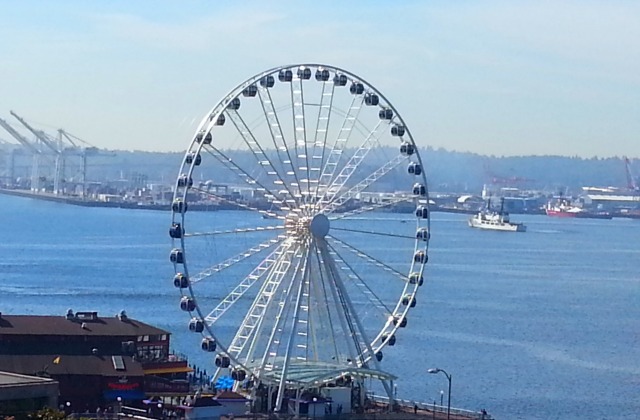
(504, 181)
(65, 145)
(58, 152)
(3, 161)
(84, 151)
(631, 182)
(12, 150)
(35, 151)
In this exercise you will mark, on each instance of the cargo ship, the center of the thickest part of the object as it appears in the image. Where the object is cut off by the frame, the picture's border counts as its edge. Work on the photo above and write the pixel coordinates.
(564, 208)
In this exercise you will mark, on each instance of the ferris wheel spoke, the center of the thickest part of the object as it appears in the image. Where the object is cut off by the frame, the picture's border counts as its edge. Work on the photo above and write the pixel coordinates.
(294, 279)
(371, 232)
(303, 308)
(270, 354)
(253, 317)
(386, 313)
(266, 213)
(277, 136)
(376, 262)
(296, 320)
(300, 132)
(371, 207)
(351, 166)
(230, 262)
(322, 130)
(279, 319)
(365, 354)
(246, 283)
(339, 146)
(234, 231)
(324, 316)
(259, 153)
(349, 338)
(353, 192)
(359, 335)
(359, 281)
(246, 177)
(239, 343)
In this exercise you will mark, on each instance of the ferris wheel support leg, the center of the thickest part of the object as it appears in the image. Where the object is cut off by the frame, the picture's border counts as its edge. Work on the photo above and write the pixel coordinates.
(294, 326)
(296, 407)
(330, 271)
(392, 397)
(270, 398)
(349, 306)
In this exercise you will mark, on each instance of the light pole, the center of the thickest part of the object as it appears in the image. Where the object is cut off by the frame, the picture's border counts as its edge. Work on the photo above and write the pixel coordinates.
(441, 397)
(438, 370)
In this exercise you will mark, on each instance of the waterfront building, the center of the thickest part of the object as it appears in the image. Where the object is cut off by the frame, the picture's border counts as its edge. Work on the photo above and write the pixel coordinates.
(611, 198)
(98, 361)
(22, 394)
(226, 404)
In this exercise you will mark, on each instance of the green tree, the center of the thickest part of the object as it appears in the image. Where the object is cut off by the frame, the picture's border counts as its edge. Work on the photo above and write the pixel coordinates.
(47, 414)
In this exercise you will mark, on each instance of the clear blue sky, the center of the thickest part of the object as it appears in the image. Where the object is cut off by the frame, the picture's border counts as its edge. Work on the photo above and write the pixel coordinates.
(492, 77)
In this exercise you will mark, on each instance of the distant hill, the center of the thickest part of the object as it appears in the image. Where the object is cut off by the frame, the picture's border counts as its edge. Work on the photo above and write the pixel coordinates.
(455, 171)
(447, 171)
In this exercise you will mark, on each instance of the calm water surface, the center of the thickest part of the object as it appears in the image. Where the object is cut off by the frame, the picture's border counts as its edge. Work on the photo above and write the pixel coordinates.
(537, 325)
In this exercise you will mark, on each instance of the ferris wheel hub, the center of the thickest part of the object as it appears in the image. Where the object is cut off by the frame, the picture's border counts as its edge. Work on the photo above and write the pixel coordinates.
(319, 225)
(303, 227)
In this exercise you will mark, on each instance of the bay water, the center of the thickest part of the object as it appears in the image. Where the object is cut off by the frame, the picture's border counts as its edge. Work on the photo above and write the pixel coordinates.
(537, 325)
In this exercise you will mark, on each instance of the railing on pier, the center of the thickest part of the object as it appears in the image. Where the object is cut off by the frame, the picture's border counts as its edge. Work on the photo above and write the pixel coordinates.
(124, 412)
(421, 406)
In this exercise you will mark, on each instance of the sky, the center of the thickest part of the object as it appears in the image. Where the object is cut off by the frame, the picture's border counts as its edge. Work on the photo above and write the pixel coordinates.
(503, 78)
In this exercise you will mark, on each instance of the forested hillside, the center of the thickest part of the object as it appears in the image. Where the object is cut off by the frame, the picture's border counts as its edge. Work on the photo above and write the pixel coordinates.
(446, 170)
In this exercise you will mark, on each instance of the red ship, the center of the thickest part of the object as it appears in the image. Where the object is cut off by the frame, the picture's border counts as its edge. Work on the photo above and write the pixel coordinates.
(562, 208)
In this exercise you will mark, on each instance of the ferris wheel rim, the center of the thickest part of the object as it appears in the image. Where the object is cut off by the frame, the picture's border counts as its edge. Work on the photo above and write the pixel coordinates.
(219, 109)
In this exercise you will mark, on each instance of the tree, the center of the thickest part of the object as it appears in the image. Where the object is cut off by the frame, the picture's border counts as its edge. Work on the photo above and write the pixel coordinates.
(47, 414)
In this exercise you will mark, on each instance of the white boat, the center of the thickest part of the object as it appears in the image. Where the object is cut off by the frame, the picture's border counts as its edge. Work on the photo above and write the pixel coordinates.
(495, 220)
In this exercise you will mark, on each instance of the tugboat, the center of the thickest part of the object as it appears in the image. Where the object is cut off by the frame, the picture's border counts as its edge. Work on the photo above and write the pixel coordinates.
(495, 220)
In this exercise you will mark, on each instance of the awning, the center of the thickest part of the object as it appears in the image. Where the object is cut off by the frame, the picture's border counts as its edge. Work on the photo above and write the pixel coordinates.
(180, 369)
(112, 395)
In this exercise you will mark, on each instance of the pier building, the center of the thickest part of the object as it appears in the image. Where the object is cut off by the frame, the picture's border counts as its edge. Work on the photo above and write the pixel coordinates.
(24, 394)
(97, 361)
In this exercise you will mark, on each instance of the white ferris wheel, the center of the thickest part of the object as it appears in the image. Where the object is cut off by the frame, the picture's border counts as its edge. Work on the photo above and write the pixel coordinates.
(305, 282)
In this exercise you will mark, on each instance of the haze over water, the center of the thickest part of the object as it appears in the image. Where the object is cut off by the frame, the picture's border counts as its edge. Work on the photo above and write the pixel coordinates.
(542, 324)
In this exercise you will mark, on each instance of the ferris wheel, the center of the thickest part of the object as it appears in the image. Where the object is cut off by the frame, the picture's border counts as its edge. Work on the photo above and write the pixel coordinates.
(314, 259)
